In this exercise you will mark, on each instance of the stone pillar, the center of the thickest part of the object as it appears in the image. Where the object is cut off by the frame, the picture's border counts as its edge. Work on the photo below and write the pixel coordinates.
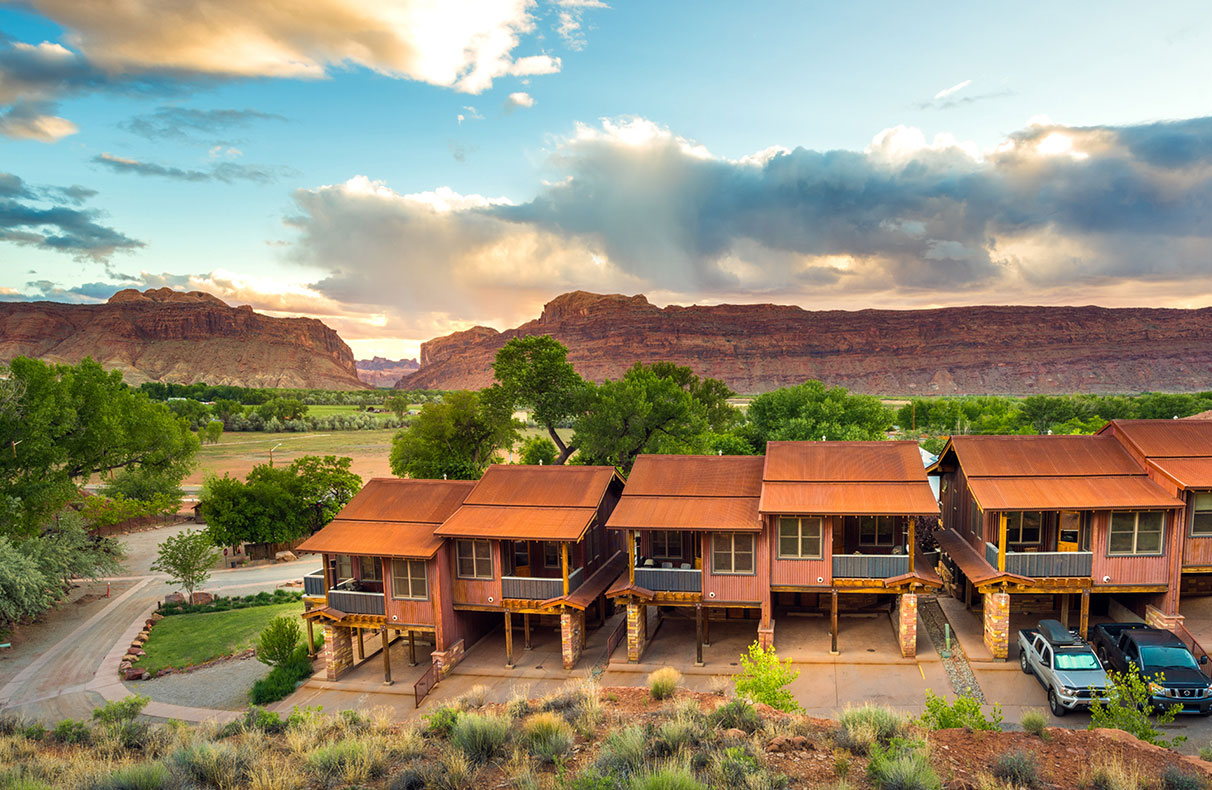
(997, 624)
(338, 651)
(572, 635)
(1159, 619)
(637, 635)
(906, 624)
(766, 636)
(444, 660)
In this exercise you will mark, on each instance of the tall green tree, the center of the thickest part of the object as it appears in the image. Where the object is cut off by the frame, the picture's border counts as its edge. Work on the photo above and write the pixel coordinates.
(457, 438)
(62, 424)
(187, 558)
(534, 372)
(396, 403)
(811, 411)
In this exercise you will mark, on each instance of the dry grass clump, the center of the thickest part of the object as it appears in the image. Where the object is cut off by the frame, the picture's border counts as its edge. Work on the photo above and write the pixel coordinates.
(548, 736)
(480, 737)
(1112, 773)
(863, 728)
(664, 682)
(1035, 722)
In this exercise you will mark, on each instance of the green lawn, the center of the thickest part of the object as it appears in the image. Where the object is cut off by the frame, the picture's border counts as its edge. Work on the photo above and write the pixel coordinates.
(182, 640)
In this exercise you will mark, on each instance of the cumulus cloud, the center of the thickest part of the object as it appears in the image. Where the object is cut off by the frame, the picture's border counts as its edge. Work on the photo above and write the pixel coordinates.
(227, 172)
(44, 218)
(517, 100)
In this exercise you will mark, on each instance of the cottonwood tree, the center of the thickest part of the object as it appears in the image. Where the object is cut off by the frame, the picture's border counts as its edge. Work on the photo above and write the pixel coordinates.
(397, 404)
(812, 412)
(457, 438)
(187, 558)
(534, 372)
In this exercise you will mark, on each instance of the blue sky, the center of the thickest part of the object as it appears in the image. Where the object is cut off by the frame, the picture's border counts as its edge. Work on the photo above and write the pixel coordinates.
(829, 155)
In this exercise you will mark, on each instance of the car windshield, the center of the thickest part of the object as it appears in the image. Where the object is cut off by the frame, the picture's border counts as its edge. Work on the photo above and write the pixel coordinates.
(1167, 658)
(1082, 660)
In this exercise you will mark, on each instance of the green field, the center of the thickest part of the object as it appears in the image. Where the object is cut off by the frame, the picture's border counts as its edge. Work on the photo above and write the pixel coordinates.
(183, 640)
(238, 453)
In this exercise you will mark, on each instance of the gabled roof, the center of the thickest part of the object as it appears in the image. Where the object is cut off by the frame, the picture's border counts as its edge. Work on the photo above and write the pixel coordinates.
(513, 502)
(391, 517)
(691, 492)
(845, 478)
(1180, 450)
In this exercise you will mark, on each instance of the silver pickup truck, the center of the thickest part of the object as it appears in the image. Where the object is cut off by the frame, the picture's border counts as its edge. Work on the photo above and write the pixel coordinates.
(1063, 664)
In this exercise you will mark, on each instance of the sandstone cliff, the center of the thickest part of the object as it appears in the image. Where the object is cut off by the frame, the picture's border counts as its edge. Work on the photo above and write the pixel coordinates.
(381, 372)
(758, 347)
(166, 335)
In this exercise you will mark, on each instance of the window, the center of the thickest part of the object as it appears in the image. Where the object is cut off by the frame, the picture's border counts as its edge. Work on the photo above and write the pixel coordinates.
(1202, 523)
(372, 569)
(521, 554)
(1024, 527)
(667, 544)
(876, 530)
(974, 519)
(732, 552)
(1136, 532)
(551, 555)
(344, 567)
(408, 579)
(473, 559)
(799, 538)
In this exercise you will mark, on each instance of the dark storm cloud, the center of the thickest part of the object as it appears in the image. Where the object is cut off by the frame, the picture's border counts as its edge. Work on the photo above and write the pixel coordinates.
(38, 217)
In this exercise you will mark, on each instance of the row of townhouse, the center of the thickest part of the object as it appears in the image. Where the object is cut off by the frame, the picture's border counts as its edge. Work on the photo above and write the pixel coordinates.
(1123, 516)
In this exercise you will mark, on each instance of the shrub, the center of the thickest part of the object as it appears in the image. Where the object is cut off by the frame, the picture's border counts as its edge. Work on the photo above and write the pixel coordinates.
(675, 734)
(277, 644)
(282, 679)
(664, 682)
(868, 726)
(125, 709)
(622, 752)
(592, 780)
(1113, 774)
(411, 777)
(736, 714)
(733, 766)
(480, 736)
(964, 712)
(1016, 768)
(902, 765)
(140, 776)
(263, 720)
(1035, 722)
(548, 736)
(71, 731)
(1205, 753)
(764, 679)
(668, 778)
(353, 760)
(1129, 708)
(1174, 778)
(213, 764)
(452, 772)
(442, 721)
(34, 732)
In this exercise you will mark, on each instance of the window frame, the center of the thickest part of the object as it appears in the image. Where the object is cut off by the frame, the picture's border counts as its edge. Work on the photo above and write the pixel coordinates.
(798, 523)
(877, 520)
(666, 535)
(475, 560)
(1021, 514)
(551, 545)
(347, 560)
(1136, 552)
(376, 569)
(411, 579)
(1195, 513)
(732, 553)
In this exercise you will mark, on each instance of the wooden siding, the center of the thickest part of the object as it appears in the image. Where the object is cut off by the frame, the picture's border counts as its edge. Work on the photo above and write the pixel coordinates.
(802, 573)
(476, 591)
(1127, 570)
(753, 588)
(409, 611)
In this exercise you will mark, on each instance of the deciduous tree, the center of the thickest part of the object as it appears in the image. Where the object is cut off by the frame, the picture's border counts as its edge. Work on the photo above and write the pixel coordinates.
(187, 558)
(457, 438)
(812, 412)
(534, 372)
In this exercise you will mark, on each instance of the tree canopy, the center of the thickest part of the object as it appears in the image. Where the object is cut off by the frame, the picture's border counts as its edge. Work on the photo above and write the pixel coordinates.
(534, 372)
(811, 412)
(457, 438)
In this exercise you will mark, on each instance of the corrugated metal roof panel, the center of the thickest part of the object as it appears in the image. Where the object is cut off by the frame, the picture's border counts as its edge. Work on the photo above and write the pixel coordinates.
(843, 462)
(849, 499)
(374, 538)
(1186, 472)
(1168, 438)
(413, 501)
(541, 486)
(1069, 493)
(1043, 456)
(518, 523)
(687, 513)
(696, 475)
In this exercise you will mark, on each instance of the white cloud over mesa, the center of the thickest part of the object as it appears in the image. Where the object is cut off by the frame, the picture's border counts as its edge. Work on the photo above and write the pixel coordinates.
(149, 46)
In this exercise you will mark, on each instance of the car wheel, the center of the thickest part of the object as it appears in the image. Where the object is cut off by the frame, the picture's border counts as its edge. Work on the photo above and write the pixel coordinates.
(1022, 663)
(1054, 704)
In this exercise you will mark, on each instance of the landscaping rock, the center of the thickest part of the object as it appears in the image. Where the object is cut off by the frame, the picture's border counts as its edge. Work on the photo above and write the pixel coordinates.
(203, 597)
(145, 676)
(174, 598)
(133, 673)
(778, 744)
(163, 672)
(285, 556)
(137, 651)
(732, 733)
(799, 743)
(156, 617)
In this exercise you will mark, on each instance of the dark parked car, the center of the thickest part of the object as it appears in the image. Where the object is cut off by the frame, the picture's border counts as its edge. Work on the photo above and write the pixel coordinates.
(1174, 676)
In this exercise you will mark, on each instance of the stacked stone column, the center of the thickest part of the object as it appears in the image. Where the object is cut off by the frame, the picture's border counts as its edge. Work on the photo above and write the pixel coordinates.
(338, 651)
(906, 624)
(637, 632)
(572, 636)
(997, 624)
(1158, 619)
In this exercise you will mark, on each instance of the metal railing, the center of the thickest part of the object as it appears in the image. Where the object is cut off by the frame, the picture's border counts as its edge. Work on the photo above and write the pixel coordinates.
(352, 602)
(615, 636)
(670, 579)
(313, 584)
(1043, 564)
(538, 588)
(869, 566)
(429, 679)
(1197, 650)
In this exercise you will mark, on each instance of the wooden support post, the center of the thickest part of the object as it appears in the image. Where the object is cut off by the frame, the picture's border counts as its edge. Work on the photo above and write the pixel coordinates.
(564, 564)
(508, 639)
(412, 648)
(1064, 610)
(311, 639)
(1003, 521)
(386, 655)
(602, 611)
(707, 629)
(631, 556)
(1084, 621)
(912, 547)
(526, 630)
(698, 635)
(833, 622)
(361, 647)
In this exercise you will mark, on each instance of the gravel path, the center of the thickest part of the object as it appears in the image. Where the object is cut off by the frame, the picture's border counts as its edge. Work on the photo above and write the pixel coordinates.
(956, 666)
(224, 685)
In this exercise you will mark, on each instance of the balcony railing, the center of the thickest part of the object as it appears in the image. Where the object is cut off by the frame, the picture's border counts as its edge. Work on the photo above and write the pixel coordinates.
(313, 584)
(670, 579)
(869, 566)
(536, 588)
(1044, 564)
(352, 602)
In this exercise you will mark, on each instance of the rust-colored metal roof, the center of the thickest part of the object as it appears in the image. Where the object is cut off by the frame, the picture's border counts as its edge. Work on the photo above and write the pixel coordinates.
(1069, 493)
(696, 476)
(597, 584)
(374, 538)
(1187, 473)
(730, 514)
(849, 499)
(518, 523)
(412, 501)
(843, 462)
(972, 562)
(1167, 438)
(512, 485)
(1043, 456)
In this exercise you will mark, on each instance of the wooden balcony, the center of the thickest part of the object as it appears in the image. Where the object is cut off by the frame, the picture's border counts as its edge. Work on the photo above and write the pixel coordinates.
(1044, 564)
(670, 579)
(535, 588)
(869, 566)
